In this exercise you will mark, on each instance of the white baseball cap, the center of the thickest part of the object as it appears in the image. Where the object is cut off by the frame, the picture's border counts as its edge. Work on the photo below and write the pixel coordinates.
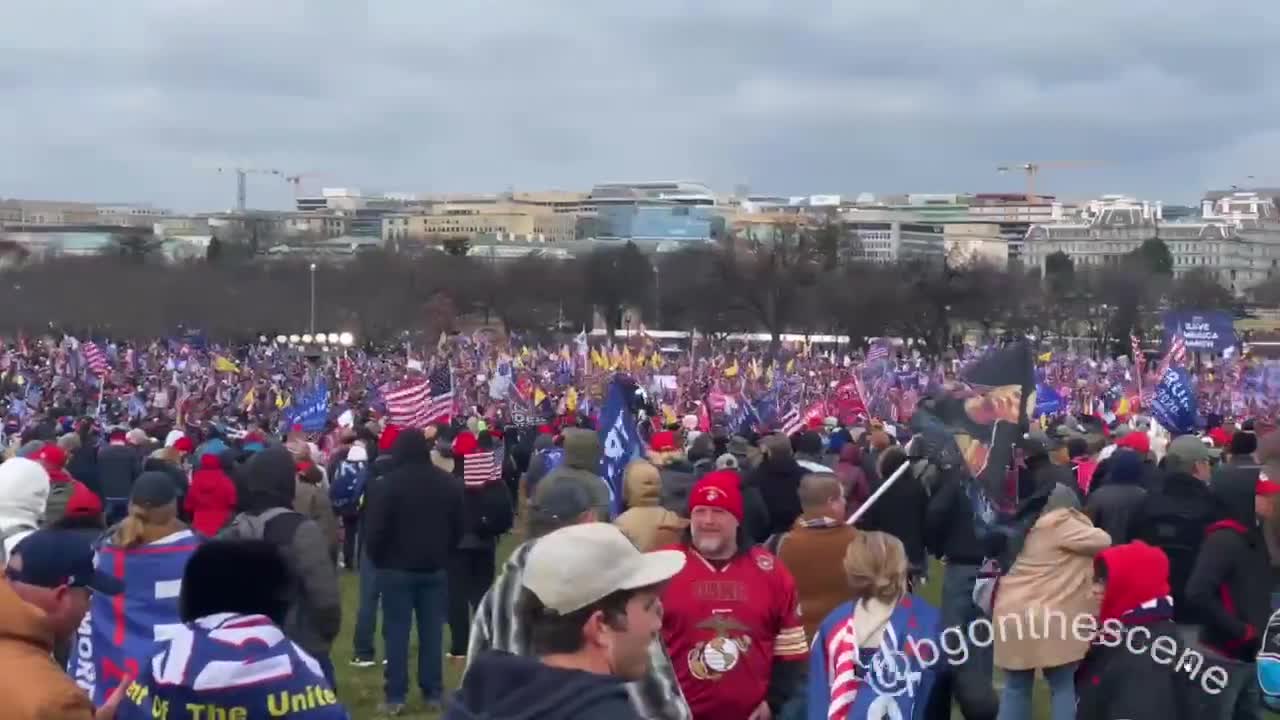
(577, 565)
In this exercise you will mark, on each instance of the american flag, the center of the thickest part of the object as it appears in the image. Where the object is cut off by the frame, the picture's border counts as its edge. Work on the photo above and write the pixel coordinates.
(879, 351)
(480, 468)
(792, 422)
(416, 403)
(1178, 349)
(96, 359)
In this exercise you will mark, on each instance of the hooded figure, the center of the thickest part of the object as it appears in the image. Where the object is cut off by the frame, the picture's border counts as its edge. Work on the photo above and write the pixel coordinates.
(778, 477)
(1230, 584)
(211, 501)
(582, 463)
(1114, 681)
(1114, 506)
(270, 482)
(24, 492)
(647, 524)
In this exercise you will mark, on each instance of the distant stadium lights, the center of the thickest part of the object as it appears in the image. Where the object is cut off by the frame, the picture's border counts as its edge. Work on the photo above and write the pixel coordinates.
(347, 339)
(282, 339)
(295, 339)
(324, 340)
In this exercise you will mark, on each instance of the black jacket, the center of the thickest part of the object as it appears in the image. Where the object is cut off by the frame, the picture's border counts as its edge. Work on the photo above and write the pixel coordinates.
(118, 467)
(901, 513)
(415, 513)
(949, 523)
(755, 513)
(1174, 520)
(677, 482)
(511, 687)
(779, 481)
(1230, 585)
(1115, 683)
(83, 466)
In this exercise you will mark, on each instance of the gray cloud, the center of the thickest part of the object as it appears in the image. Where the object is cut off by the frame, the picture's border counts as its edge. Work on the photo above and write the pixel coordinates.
(140, 101)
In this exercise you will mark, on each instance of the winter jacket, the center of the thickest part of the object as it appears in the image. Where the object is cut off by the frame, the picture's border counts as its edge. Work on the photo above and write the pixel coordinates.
(900, 511)
(501, 685)
(755, 514)
(778, 477)
(414, 517)
(1175, 519)
(211, 500)
(24, 493)
(1230, 584)
(313, 501)
(949, 523)
(1114, 506)
(1052, 573)
(118, 466)
(646, 523)
(496, 627)
(854, 479)
(1116, 683)
(83, 465)
(270, 482)
(61, 486)
(810, 550)
(582, 463)
(40, 690)
(678, 476)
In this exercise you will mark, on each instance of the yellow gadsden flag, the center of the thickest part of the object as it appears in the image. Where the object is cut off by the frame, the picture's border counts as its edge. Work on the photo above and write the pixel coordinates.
(222, 364)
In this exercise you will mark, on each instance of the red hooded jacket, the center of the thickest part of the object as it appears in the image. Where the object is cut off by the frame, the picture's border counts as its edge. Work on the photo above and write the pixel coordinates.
(211, 500)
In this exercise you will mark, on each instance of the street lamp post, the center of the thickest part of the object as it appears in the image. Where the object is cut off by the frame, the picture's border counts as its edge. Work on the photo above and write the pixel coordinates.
(312, 325)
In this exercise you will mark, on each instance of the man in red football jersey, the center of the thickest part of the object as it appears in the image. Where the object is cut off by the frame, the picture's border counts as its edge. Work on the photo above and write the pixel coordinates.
(731, 621)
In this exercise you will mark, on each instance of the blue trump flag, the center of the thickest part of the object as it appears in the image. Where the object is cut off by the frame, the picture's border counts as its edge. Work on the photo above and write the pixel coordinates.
(1048, 400)
(310, 409)
(117, 636)
(1174, 403)
(1211, 332)
(620, 438)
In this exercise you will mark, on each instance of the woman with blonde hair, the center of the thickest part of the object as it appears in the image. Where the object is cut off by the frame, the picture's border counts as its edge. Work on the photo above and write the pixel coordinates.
(148, 551)
(880, 648)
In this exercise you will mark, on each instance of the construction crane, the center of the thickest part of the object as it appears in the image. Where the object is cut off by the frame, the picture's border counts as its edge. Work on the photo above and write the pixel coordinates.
(241, 174)
(296, 181)
(1032, 169)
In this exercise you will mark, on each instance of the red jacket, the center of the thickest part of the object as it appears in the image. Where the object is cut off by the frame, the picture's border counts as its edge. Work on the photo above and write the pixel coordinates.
(211, 500)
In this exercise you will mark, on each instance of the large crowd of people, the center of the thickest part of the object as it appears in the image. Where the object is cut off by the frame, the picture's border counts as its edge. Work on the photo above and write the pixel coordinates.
(163, 562)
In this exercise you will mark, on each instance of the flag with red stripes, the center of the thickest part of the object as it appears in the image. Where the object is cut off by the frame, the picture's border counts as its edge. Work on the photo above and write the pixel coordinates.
(418, 402)
(480, 468)
(95, 358)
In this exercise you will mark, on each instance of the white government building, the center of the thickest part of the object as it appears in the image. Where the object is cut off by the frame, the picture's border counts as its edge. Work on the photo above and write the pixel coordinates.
(1237, 235)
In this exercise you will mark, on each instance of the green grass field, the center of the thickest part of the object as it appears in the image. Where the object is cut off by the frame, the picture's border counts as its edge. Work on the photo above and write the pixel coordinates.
(361, 688)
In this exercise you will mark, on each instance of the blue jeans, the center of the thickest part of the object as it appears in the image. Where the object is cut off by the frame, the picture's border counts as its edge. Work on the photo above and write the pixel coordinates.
(367, 613)
(969, 681)
(404, 595)
(1015, 704)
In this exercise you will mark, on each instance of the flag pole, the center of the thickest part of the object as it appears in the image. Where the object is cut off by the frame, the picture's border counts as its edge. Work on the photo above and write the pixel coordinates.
(884, 487)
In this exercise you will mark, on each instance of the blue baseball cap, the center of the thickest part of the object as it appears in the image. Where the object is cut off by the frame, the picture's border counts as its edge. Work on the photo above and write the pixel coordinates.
(52, 558)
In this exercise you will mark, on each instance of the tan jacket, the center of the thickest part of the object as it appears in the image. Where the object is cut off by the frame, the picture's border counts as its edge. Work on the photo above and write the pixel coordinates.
(814, 555)
(33, 686)
(313, 501)
(648, 525)
(1048, 587)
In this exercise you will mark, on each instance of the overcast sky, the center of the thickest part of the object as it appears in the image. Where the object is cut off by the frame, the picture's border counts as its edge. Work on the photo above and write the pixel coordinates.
(141, 100)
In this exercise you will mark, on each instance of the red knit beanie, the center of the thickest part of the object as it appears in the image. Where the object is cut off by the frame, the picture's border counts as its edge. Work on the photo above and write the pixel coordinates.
(718, 489)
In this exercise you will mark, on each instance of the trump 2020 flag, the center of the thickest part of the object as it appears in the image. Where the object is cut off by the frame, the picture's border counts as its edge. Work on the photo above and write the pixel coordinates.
(310, 409)
(117, 636)
(620, 438)
(1173, 404)
(230, 666)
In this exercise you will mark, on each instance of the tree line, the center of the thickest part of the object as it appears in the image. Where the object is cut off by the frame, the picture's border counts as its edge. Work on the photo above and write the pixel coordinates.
(795, 281)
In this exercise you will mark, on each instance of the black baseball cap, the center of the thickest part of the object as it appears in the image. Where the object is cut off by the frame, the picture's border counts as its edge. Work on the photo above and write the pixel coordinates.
(52, 558)
(153, 489)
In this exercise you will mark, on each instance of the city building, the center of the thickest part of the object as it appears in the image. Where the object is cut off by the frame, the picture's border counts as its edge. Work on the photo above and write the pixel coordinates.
(644, 222)
(501, 222)
(888, 235)
(1015, 213)
(680, 192)
(975, 242)
(1237, 237)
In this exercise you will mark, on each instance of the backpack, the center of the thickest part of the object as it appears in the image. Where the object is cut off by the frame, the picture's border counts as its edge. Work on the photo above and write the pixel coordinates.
(348, 487)
(277, 526)
(489, 510)
(1269, 664)
(56, 507)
